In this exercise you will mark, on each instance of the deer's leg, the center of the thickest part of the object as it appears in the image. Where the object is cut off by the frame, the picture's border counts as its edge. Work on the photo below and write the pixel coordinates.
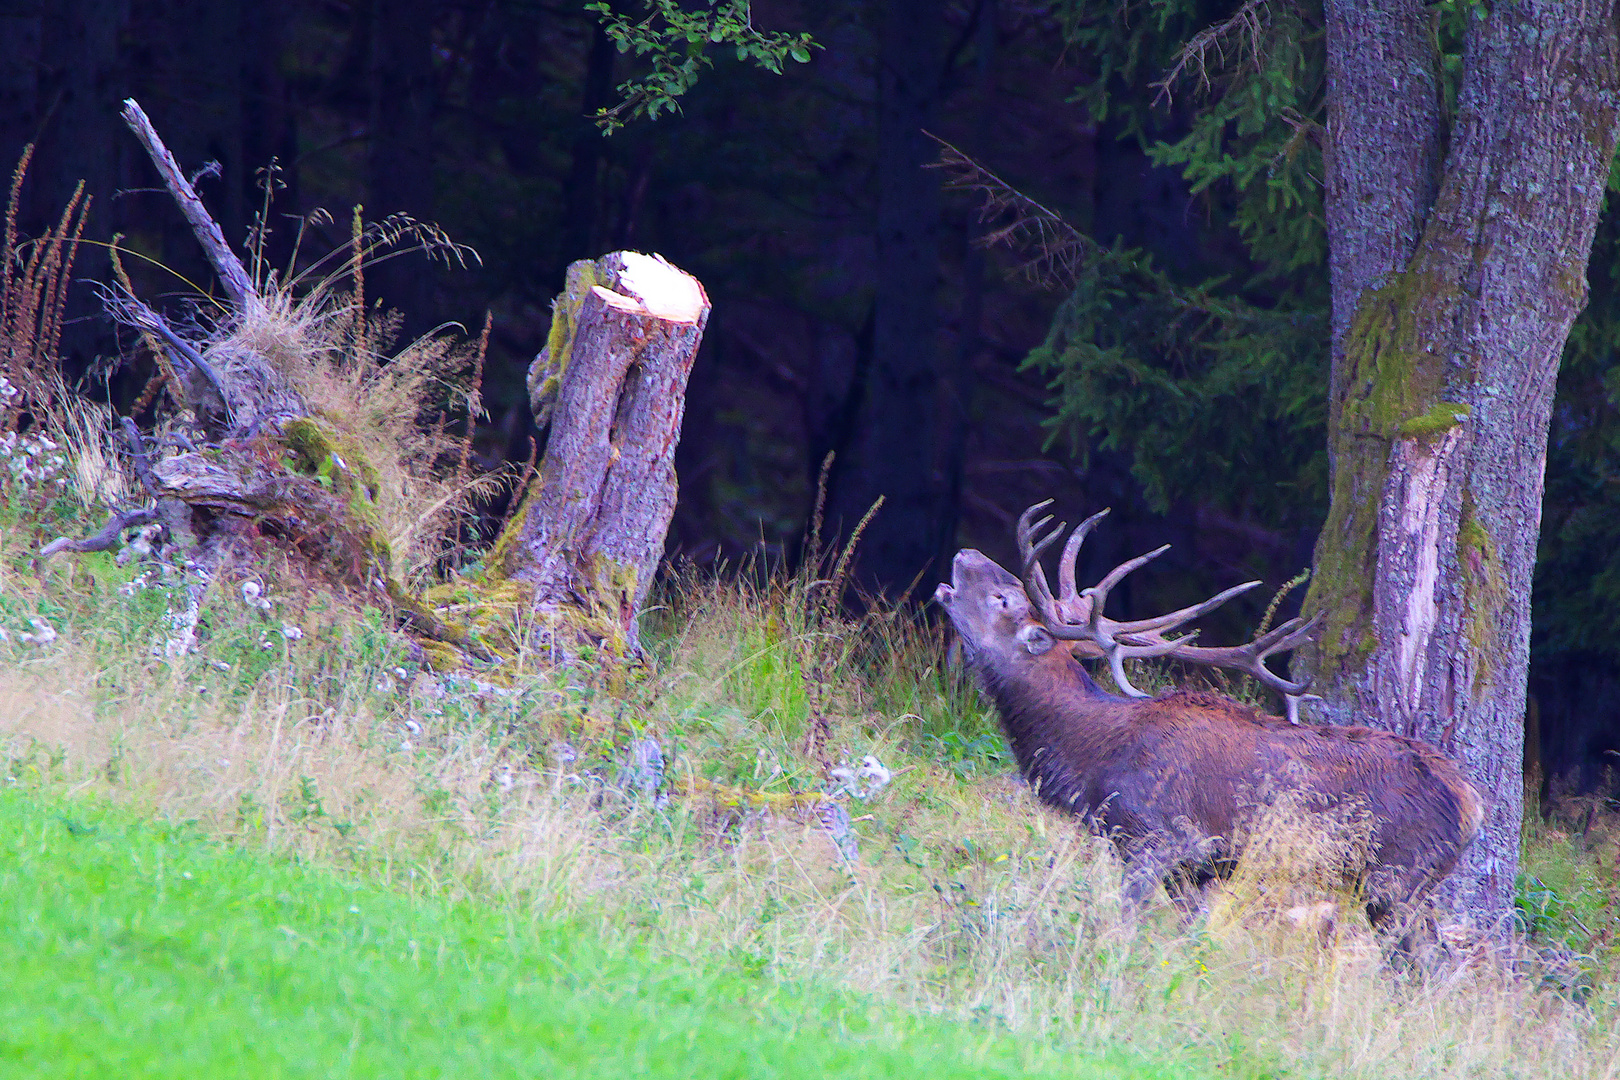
(1179, 862)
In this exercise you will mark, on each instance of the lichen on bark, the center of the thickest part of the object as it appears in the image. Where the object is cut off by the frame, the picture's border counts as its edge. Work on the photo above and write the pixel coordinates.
(1485, 591)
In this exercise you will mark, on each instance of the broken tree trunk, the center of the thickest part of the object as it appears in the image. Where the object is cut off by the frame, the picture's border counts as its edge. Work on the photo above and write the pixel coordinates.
(611, 383)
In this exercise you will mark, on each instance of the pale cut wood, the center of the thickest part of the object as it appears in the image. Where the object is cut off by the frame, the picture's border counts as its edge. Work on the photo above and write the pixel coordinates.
(232, 274)
(612, 381)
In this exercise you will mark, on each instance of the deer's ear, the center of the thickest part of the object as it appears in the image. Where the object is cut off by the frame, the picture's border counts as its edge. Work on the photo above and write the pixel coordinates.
(1035, 639)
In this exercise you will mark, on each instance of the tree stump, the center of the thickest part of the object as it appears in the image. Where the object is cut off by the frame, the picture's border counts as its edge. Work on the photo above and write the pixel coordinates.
(611, 384)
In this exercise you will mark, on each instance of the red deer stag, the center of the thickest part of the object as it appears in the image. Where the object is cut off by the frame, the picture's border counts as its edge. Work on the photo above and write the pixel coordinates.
(1174, 779)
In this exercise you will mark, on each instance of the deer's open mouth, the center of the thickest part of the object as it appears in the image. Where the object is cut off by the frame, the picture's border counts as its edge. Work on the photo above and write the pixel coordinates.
(944, 594)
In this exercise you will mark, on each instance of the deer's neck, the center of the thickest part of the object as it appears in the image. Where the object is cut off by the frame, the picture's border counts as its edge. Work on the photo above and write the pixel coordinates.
(1059, 722)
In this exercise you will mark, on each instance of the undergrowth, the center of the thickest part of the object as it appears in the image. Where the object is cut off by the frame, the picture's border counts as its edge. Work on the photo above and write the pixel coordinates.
(301, 726)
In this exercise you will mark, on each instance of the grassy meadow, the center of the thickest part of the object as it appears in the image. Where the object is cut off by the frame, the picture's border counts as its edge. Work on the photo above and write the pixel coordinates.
(295, 850)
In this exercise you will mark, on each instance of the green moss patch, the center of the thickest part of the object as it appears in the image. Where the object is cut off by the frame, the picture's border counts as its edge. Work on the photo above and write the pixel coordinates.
(1441, 418)
(1394, 386)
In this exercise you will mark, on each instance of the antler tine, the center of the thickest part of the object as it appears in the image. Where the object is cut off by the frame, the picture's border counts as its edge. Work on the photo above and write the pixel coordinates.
(1068, 593)
(1186, 614)
(1035, 577)
(1025, 526)
(1117, 655)
(1030, 550)
(1289, 635)
(1251, 658)
(1038, 549)
(1102, 629)
(1036, 588)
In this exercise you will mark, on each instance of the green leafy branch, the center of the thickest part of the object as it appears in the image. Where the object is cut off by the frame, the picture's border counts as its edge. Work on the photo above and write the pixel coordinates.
(676, 42)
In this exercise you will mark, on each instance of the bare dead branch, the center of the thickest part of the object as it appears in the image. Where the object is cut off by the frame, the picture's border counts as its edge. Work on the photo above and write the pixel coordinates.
(1052, 250)
(104, 540)
(232, 274)
(137, 454)
(1242, 32)
(126, 308)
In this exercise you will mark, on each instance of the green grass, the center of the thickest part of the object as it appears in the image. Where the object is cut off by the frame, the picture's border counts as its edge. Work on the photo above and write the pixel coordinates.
(700, 934)
(136, 949)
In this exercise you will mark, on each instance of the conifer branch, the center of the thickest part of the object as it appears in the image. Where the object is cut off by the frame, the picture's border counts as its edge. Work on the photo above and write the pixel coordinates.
(1052, 251)
(1241, 33)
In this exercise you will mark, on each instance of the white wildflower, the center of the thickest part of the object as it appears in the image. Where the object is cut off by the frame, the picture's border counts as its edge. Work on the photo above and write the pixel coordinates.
(43, 633)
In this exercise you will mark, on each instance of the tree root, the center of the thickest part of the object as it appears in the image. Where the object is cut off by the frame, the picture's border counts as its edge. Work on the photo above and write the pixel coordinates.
(726, 795)
(104, 540)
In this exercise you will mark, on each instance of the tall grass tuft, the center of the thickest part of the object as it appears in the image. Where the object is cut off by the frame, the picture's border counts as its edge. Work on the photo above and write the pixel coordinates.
(34, 277)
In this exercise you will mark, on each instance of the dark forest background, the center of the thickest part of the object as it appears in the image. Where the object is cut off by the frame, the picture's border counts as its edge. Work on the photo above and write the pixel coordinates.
(1177, 376)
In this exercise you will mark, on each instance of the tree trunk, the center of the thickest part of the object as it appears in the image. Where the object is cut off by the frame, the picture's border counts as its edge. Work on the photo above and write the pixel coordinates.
(895, 450)
(611, 383)
(1438, 430)
(1384, 147)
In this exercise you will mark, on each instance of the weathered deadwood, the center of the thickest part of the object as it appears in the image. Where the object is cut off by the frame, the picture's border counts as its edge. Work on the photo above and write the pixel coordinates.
(612, 383)
(250, 392)
(185, 356)
(272, 474)
(250, 481)
(232, 274)
(233, 392)
(137, 454)
(104, 540)
(327, 526)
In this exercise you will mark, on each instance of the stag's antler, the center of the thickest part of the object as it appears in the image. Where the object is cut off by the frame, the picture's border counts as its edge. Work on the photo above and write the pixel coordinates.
(1077, 615)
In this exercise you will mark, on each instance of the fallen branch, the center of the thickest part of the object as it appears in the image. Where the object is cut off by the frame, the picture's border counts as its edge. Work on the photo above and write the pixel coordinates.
(130, 310)
(726, 795)
(137, 454)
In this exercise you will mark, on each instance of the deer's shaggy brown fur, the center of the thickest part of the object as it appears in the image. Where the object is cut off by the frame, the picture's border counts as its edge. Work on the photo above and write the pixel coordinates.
(1175, 778)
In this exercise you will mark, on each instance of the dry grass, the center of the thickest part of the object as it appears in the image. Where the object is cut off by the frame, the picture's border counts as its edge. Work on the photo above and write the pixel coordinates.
(969, 900)
(336, 356)
(34, 278)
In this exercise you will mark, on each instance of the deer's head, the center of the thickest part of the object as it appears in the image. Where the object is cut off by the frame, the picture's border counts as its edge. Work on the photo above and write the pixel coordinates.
(1007, 620)
(992, 613)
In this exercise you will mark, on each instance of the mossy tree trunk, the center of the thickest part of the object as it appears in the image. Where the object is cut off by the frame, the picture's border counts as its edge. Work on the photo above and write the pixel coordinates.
(611, 385)
(1453, 292)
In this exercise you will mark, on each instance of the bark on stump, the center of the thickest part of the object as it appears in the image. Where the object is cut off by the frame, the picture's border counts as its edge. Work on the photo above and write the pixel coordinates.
(611, 383)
